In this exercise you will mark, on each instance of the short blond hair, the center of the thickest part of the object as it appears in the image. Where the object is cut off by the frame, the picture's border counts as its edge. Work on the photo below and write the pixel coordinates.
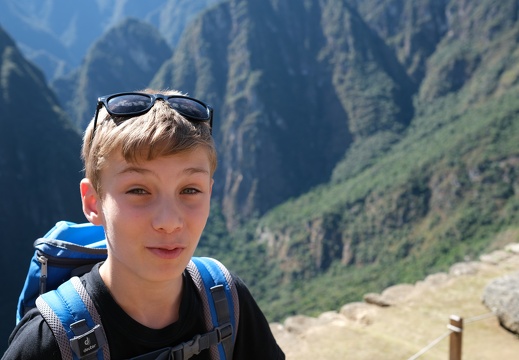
(159, 132)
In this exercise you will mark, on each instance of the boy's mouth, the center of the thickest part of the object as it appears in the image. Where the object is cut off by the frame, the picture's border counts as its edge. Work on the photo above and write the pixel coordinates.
(166, 253)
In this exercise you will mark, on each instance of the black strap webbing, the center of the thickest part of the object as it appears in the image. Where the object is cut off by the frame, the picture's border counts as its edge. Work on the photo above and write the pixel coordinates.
(188, 349)
(224, 317)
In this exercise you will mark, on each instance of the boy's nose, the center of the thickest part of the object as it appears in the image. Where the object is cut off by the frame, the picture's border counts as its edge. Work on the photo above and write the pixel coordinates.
(168, 217)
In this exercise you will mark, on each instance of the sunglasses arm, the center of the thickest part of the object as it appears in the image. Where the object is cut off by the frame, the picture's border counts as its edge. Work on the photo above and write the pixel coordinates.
(211, 120)
(99, 105)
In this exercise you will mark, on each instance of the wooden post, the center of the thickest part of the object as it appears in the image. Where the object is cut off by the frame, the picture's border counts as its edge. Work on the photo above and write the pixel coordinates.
(456, 326)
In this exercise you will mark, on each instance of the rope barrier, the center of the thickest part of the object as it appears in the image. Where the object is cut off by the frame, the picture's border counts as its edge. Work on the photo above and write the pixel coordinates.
(430, 346)
(451, 329)
(480, 317)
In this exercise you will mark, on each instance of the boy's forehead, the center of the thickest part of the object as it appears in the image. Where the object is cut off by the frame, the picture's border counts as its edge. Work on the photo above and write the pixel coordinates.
(197, 158)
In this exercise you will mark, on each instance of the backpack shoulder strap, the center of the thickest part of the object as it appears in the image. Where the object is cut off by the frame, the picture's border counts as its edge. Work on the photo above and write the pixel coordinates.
(77, 327)
(220, 302)
(74, 321)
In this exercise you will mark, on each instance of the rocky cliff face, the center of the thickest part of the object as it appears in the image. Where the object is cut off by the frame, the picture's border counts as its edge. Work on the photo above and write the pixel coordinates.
(412, 28)
(477, 52)
(286, 63)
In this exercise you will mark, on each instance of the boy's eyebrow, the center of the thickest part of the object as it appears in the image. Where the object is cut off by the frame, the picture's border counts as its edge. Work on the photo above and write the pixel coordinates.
(140, 170)
(136, 169)
(194, 170)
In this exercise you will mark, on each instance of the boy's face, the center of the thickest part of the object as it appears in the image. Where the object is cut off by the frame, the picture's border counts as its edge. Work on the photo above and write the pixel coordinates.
(153, 212)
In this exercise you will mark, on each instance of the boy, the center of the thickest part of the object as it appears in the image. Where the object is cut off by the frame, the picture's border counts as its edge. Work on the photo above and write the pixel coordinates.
(149, 160)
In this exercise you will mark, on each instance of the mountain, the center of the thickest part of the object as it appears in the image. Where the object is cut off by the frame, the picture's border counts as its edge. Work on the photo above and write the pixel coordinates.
(444, 192)
(56, 35)
(132, 48)
(40, 169)
(172, 18)
(49, 32)
(299, 78)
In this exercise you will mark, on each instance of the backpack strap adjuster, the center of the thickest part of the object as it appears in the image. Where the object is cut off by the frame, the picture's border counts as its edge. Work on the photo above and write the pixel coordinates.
(224, 332)
(86, 341)
(83, 339)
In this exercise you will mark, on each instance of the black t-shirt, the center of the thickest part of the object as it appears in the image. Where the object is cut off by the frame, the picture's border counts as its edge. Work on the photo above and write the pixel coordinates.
(33, 339)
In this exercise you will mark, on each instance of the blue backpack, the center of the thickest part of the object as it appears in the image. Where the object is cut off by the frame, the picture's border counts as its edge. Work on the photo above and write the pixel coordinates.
(52, 285)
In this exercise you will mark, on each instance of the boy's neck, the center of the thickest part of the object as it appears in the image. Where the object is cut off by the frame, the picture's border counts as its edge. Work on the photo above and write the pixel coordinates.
(153, 305)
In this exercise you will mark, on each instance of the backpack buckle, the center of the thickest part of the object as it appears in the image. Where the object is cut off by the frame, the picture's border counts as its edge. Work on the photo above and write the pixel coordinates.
(187, 349)
(224, 332)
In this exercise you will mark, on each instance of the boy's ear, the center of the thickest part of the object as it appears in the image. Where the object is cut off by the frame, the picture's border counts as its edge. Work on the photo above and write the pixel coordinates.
(90, 202)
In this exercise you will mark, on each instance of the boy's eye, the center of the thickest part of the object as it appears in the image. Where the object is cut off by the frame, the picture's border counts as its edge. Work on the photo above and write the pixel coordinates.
(190, 191)
(137, 191)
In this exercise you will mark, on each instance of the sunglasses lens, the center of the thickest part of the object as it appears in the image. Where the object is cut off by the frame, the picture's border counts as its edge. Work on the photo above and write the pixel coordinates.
(189, 108)
(128, 104)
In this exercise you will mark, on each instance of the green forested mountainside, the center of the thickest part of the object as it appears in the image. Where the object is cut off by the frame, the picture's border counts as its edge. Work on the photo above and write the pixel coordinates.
(361, 143)
(402, 205)
(40, 170)
(437, 197)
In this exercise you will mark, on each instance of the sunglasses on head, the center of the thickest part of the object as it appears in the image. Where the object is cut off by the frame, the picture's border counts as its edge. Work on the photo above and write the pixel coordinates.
(136, 103)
